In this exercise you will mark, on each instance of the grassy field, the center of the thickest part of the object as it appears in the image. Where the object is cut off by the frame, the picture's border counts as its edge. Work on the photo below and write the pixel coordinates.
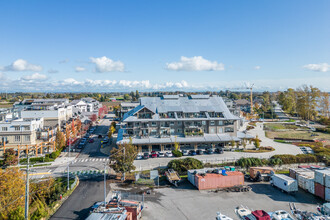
(6, 105)
(296, 134)
(280, 126)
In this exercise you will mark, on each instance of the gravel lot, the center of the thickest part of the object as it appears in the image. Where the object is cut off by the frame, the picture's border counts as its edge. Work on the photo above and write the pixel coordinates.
(186, 202)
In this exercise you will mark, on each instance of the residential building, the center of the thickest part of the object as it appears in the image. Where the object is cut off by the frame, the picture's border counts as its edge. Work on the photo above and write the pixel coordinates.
(196, 121)
(79, 105)
(20, 131)
(243, 105)
(126, 107)
(52, 113)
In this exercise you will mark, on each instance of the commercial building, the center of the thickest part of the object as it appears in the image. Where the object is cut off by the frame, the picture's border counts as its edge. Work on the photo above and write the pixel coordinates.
(196, 121)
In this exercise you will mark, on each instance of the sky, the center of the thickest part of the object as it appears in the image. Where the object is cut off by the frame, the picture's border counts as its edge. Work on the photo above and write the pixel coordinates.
(148, 45)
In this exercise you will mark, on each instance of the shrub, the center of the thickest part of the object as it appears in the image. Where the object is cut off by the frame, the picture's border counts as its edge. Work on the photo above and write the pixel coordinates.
(177, 153)
(250, 162)
(183, 165)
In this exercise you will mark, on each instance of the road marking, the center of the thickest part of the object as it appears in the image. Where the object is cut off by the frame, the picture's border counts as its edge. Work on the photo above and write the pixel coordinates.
(49, 171)
(93, 159)
(35, 174)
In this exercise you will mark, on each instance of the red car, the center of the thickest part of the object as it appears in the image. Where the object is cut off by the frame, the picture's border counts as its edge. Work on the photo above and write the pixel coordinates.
(91, 140)
(154, 154)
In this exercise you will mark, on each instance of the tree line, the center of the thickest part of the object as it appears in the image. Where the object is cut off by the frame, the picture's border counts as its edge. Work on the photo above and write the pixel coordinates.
(306, 102)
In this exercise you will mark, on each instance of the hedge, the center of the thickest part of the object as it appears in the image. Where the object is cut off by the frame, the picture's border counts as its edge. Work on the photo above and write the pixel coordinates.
(183, 165)
(177, 153)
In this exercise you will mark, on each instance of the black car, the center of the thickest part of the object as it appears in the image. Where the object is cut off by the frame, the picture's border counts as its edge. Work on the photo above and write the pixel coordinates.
(209, 151)
(192, 153)
(200, 152)
(219, 150)
(146, 156)
(100, 136)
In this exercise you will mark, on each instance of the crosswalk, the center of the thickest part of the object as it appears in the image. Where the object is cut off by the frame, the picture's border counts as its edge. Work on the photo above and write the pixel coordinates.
(88, 172)
(90, 160)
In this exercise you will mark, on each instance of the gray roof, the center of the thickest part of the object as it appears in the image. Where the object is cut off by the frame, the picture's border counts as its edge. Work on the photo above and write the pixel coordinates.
(181, 104)
(107, 216)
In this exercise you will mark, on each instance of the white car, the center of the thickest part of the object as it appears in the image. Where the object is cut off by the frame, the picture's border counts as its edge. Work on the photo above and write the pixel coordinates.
(139, 157)
(168, 154)
(161, 154)
(281, 214)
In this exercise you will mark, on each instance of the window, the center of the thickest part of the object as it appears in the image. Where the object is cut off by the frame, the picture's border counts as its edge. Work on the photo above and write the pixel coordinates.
(4, 128)
(172, 123)
(26, 138)
(220, 130)
(153, 123)
(17, 138)
(203, 122)
(212, 131)
(17, 128)
(26, 128)
(153, 132)
(220, 122)
(212, 123)
(179, 123)
(229, 129)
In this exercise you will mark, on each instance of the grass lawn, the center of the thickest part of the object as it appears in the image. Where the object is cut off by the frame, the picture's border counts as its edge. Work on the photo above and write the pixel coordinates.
(296, 134)
(279, 126)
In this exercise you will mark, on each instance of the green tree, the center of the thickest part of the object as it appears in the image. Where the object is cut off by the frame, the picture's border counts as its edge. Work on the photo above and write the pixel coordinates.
(126, 97)
(59, 139)
(257, 142)
(122, 158)
(232, 143)
(10, 158)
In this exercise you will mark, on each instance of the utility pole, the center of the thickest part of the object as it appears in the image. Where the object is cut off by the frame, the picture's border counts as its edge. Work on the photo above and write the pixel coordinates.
(27, 189)
(105, 185)
(68, 176)
(124, 160)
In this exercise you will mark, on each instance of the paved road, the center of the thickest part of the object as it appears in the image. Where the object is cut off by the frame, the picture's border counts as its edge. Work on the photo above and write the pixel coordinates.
(77, 206)
(89, 159)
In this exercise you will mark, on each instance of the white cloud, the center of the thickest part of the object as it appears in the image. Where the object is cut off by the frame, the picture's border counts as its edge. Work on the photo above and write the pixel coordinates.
(197, 63)
(257, 67)
(80, 69)
(34, 77)
(105, 64)
(2, 76)
(321, 67)
(22, 65)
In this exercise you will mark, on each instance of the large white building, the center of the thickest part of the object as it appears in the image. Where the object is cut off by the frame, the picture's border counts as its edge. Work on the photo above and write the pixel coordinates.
(196, 121)
(53, 114)
(20, 131)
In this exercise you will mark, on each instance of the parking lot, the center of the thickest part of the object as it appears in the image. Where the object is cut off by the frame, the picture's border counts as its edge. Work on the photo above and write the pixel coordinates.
(186, 202)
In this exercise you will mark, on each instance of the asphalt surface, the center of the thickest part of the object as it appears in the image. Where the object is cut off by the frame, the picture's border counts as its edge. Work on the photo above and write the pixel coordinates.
(78, 205)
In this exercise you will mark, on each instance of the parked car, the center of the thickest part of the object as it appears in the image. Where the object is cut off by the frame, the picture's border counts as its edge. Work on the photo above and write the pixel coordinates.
(139, 157)
(209, 151)
(192, 153)
(199, 152)
(168, 154)
(146, 155)
(154, 154)
(105, 140)
(219, 150)
(185, 152)
(161, 154)
(91, 140)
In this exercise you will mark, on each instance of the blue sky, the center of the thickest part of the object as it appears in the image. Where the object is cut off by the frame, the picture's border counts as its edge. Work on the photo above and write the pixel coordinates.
(163, 45)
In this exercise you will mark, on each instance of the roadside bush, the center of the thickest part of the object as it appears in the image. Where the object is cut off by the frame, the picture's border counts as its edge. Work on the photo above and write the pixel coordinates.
(250, 162)
(285, 158)
(177, 153)
(183, 165)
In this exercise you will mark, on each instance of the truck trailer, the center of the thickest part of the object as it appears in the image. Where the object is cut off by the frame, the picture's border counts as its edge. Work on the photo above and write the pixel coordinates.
(284, 183)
